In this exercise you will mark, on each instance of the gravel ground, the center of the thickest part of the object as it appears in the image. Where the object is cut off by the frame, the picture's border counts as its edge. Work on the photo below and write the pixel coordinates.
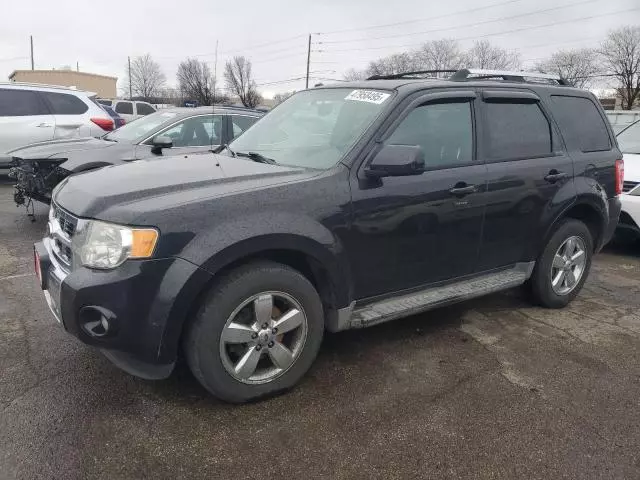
(492, 388)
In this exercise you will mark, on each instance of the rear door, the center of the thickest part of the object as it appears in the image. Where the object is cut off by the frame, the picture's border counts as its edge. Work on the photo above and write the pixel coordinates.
(24, 119)
(529, 175)
(125, 110)
(416, 230)
(69, 112)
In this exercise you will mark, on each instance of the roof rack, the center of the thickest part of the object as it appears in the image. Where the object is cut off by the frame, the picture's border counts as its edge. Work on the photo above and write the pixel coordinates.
(409, 74)
(510, 76)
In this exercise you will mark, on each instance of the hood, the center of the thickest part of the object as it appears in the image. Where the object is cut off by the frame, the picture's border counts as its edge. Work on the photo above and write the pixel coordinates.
(632, 167)
(60, 148)
(120, 193)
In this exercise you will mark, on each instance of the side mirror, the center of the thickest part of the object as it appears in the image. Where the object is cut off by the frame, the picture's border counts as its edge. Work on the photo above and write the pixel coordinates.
(160, 142)
(396, 161)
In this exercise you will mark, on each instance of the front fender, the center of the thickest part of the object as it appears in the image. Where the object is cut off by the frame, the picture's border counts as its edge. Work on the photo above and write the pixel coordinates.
(244, 237)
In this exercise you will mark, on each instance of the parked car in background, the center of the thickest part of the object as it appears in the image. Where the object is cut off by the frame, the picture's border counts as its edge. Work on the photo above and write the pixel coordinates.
(118, 120)
(38, 168)
(629, 141)
(128, 109)
(621, 119)
(31, 113)
(242, 261)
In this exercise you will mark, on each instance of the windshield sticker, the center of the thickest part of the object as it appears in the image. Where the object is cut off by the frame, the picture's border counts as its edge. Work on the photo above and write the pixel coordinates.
(369, 96)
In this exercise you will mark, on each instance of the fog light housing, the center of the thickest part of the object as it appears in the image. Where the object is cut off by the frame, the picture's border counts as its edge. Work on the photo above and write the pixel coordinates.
(97, 322)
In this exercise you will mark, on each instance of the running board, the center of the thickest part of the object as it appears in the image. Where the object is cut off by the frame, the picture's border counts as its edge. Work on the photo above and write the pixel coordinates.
(417, 302)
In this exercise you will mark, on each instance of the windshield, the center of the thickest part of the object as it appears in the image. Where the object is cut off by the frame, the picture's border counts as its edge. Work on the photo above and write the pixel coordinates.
(629, 139)
(140, 129)
(313, 128)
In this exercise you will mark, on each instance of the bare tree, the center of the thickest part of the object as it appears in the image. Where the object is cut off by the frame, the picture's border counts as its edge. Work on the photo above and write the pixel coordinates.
(621, 56)
(353, 75)
(441, 54)
(238, 77)
(278, 98)
(490, 57)
(396, 63)
(195, 81)
(145, 77)
(577, 66)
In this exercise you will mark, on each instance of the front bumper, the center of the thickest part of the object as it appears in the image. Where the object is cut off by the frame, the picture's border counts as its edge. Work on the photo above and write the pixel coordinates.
(133, 313)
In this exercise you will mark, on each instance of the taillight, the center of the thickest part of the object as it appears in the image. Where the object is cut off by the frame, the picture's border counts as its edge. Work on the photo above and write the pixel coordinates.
(103, 123)
(619, 176)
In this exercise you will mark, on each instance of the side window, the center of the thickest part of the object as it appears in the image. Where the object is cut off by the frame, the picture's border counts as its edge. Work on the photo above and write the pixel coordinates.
(65, 104)
(20, 103)
(241, 123)
(516, 130)
(443, 130)
(124, 107)
(581, 123)
(200, 131)
(144, 109)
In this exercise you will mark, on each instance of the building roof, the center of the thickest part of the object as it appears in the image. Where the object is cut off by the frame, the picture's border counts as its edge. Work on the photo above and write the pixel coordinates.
(72, 72)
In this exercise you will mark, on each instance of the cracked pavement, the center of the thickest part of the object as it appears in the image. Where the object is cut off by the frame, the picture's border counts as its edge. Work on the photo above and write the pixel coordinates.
(492, 388)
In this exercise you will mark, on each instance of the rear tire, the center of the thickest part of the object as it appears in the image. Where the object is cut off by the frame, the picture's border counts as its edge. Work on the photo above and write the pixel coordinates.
(229, 349)
(561, 269)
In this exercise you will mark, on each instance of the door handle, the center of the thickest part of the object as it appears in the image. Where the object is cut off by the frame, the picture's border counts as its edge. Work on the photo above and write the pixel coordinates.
(462, 190)
(553, 176)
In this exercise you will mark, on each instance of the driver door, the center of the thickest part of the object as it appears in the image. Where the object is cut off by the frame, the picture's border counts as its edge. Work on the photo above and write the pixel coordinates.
(411, 231)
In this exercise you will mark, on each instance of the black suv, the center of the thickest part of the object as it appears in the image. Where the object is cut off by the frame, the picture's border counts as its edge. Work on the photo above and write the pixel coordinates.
(344, 207)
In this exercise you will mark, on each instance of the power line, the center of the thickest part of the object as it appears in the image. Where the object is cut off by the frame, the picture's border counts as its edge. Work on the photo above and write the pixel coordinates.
(472, 37)
(13, 59)
(406, 22)
(266, 44)
(473, 24)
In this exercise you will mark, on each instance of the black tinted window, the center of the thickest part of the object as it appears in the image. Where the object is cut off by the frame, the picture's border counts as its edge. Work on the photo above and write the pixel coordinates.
(516, 130)
(64, 104)
(144, 109)
(105, 102)
(124, 107)
(241, 123)
(581, 124)
(443, 130)
(20, 103)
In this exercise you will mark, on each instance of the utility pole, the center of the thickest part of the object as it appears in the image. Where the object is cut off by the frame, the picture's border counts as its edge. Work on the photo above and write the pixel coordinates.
(77, 66)
(308, 61)
(130, 94)
(31, 40)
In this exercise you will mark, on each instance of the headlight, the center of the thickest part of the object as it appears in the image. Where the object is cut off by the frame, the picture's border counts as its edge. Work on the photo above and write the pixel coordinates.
(104, 245)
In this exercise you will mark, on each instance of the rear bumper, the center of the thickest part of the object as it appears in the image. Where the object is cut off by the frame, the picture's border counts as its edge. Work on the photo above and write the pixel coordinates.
(134, 313)
(614, 215)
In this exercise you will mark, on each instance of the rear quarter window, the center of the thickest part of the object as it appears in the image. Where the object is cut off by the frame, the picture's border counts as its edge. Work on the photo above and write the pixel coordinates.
(581, 124)
(64, 104)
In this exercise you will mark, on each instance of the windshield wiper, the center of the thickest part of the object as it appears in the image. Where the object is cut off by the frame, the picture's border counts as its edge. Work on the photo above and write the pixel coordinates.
(257, 157)
(224, 146)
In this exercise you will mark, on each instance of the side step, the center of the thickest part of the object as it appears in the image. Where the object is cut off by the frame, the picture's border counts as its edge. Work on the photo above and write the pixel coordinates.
(416, 302)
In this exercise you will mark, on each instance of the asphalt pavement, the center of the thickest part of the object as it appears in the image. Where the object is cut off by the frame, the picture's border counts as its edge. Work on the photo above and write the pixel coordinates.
(492, 388)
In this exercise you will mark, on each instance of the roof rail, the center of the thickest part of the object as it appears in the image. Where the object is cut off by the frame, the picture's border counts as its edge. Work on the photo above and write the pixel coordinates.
(408, 74)
(479, 74)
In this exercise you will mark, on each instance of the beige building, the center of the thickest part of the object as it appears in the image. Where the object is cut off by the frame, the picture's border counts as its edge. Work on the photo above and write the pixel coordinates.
(104, 86)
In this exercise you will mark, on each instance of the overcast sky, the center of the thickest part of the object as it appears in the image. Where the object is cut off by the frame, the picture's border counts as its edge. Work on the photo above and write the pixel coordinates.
(273, 34)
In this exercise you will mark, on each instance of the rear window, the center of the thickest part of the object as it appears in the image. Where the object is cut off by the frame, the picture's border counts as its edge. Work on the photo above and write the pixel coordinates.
(65, 104)
(581, 124)
(516, 131)
(124, 107)
(20, 103)
(144, 109)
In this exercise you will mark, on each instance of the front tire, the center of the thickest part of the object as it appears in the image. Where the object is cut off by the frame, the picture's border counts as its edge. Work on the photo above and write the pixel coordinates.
(257, 332)
(563, 266)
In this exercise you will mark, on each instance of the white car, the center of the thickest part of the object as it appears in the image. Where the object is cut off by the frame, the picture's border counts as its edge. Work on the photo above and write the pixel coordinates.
(629, 141)
(129, 110)
(31, 113)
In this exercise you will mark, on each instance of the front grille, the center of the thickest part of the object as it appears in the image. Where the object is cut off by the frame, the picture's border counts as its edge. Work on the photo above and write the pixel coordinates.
(627, 186)
(61, 234)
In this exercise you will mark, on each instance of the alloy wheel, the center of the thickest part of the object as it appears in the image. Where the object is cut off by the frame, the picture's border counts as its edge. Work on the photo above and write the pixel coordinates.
(568, 265)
